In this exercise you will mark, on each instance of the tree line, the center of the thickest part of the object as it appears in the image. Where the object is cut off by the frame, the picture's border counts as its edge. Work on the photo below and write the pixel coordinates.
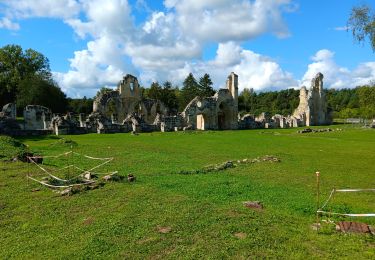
(343, 103)
(26, 79)
(176, 98)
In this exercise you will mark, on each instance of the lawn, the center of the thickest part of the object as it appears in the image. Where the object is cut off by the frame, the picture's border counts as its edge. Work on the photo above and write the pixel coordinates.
(168, 215)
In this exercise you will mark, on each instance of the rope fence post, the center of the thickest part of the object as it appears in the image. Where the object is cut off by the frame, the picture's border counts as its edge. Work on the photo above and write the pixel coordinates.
(317, 199)
(28, 171)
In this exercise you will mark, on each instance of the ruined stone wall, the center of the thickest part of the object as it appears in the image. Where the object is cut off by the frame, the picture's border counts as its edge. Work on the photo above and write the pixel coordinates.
(36, 117)
(129, 87)
(9, 110)
(127, 99)
(313, 107)
(216, 112)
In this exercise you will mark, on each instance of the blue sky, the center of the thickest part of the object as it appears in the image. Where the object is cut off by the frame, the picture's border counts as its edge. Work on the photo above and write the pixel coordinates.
(270, 44)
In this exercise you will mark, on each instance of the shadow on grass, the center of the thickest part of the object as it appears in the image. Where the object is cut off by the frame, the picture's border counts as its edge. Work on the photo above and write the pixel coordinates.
(38, 138)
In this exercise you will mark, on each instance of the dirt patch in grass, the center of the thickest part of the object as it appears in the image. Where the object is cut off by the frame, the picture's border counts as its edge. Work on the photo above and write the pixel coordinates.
(240, 235)
(88, 221)
(146, 240)
(164, 230)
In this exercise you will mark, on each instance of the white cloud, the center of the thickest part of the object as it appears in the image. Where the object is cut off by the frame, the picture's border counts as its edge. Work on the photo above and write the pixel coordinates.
(222, 20)
(8, 24)
(341, 28)
(104, 61)
(254, 70)
(322, 55)
(336, 76)
(167, 45)
(35, 8)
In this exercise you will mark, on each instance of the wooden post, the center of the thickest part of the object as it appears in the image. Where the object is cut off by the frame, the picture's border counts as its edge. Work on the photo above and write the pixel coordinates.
(317, 199)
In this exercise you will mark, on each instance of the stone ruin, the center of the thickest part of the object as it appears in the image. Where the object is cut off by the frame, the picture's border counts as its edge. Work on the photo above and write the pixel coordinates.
(9, 111)
(126, 100)
(218, 112)
(36, 120)
(313, 107)
(125, 110)
(36, 117)
(8, 122)
(312, 110)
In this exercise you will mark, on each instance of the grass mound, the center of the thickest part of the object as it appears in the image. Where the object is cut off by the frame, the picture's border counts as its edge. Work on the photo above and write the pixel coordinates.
(11, 148)
(65, 142)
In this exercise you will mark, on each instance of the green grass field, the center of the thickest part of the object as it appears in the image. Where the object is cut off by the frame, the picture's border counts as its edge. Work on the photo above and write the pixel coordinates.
(204, 213)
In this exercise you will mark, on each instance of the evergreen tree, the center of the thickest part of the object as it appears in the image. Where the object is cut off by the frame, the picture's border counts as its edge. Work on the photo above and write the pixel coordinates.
(205, 86)
(168, 97)
(189, 91)
(78, 105)
(155, 91)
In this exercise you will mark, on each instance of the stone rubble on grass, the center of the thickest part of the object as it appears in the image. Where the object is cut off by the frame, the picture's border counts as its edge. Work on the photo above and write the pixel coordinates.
(253, 204)
(231, 164)
(131, 178)
(240, 235)
(353, 227)
(315, 226)
(321, 130)
(164, 230)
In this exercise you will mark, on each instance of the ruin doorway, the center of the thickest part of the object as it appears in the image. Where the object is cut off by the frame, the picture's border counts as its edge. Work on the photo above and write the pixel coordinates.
(223, 116)
(221, 120)
(200, 122)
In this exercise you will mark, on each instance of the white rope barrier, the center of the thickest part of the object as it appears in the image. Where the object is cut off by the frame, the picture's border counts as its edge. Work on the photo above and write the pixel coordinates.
(321, 211)
(354, 190)
(60, 186)
(329, 198)
(93, 158)
(83, 172)
(347, 214)
(40, 167)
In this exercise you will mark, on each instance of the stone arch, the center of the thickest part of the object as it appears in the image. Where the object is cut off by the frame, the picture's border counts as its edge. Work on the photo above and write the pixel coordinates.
(136, 107)
(157, 108)
(146, 113)
(111, 106)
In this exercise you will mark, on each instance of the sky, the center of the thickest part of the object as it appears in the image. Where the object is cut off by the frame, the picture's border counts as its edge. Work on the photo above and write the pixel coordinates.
(270, 44)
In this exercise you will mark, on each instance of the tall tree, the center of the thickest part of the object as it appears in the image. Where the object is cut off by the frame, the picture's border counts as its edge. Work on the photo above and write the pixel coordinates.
(25, 78)
(246, 100)
(35, 90)
(80, 105)
(362, 24)
(17, 65)
(155, 91)
(168, 97)
(366, 95)
(189, 91)
(205, 85)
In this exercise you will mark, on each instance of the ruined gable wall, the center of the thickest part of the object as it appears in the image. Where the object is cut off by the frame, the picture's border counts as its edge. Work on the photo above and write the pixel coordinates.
(313, 106)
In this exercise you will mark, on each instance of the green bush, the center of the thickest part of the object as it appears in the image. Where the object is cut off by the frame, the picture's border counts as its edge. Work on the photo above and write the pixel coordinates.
(11, 148)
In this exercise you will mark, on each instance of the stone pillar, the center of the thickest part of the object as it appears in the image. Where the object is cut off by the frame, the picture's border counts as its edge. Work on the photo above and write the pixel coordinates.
(232, 86)
(82, 120)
